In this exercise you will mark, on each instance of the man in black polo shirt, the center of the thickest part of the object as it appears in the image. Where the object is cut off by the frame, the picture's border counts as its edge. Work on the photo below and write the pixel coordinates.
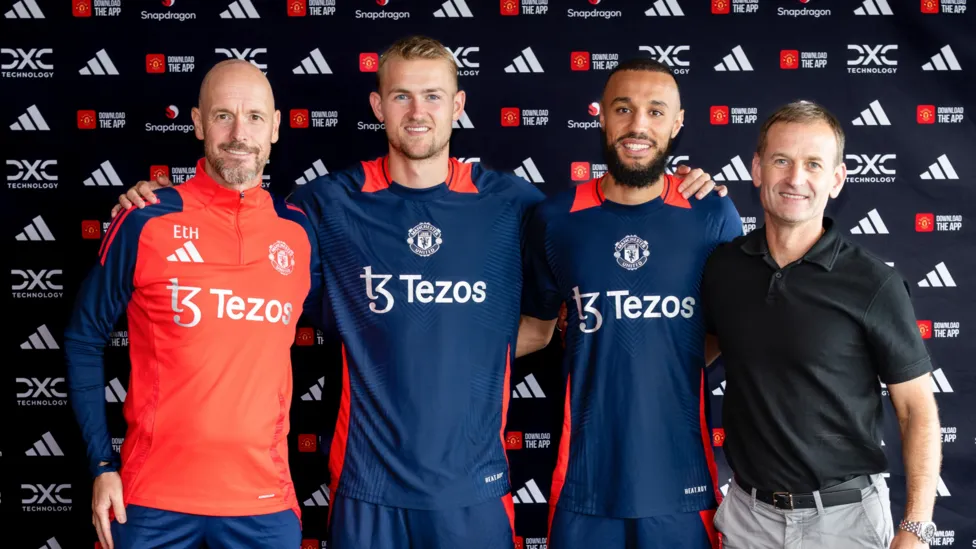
(807, 323)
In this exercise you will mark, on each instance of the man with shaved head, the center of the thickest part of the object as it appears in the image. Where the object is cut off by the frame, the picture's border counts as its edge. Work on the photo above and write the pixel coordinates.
(212, 276)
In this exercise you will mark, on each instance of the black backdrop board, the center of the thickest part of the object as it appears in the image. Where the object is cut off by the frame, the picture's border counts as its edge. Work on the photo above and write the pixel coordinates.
(98, 93)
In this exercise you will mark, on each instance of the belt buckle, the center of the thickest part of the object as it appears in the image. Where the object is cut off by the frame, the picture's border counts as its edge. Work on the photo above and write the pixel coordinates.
(785, 497)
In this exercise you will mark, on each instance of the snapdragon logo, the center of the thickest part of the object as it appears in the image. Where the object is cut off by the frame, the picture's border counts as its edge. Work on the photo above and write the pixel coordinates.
(802, 12)
(629, 306)
(381, 300)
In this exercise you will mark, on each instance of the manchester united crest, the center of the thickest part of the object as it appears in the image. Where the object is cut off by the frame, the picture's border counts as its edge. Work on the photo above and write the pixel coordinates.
(631, 252)
(282, 258)
(424, 239)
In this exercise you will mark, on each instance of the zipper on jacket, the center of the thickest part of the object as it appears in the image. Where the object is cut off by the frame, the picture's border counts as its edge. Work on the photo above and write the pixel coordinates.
(240, 236)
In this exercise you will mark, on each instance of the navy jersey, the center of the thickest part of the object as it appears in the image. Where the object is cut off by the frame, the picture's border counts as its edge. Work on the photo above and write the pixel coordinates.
(634, 443)
(423, 287)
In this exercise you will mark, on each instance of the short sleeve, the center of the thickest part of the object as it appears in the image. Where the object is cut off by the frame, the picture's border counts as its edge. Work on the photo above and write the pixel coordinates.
(708, 281)
(540, 295)
(892, 331)
(730, 223)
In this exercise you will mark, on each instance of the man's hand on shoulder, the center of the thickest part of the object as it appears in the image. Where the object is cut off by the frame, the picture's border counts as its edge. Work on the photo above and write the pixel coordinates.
(697, 182)
(141, 193)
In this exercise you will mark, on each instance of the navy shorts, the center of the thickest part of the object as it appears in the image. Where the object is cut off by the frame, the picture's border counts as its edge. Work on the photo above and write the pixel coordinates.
(356, 524)
(148, 528)
(693, 530)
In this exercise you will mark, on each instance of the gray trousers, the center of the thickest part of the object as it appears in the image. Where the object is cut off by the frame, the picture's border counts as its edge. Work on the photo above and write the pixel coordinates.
(749, 524)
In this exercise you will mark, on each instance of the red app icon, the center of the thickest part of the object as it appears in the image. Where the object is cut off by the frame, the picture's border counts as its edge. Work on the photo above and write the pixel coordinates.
(310, 543)
(519, 542)
(924, 223)
(157, 171)
(307, 443)
(925, 114)
(718, 436)
(930, 6)
(155, 63)
(299, 118)
(579, 61)
(580, 171)
(789, 59)
(91, 229)
(87, 120)
(513, 440)
(721, 7)
(305, 337)
(719, 114)
(81, 8)
(511, 116)
(925, 328)
(297, 8)
(509, 7)
(369, 62)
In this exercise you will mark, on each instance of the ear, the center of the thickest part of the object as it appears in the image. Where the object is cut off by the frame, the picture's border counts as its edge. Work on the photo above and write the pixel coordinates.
(377, 103)
(603, 116)
(756, 171)
(678, 122)
(197, 117)
(459, 100)
(840, 176)
(275, 123)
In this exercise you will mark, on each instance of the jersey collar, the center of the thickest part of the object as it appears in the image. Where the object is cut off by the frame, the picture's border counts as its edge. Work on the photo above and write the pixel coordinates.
(215, 195)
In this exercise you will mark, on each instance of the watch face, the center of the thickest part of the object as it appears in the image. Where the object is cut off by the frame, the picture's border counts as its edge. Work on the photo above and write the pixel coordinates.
(928, 531)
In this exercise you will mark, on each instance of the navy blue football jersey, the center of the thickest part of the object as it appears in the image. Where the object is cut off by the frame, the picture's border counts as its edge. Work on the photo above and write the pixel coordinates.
(634, 441)
(423, 287)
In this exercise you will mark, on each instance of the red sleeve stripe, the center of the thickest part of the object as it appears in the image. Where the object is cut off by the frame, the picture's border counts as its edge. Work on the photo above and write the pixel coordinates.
(294, 207)
(113, 229)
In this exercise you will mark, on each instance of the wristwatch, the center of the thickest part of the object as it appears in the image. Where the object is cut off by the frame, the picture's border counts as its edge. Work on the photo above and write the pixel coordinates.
(924, 530)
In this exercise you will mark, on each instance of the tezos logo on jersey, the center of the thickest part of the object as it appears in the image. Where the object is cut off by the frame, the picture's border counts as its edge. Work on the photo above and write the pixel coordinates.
(927, 223)
(724, 7)
(254, 56)
(315, 8)
(26, 63)
(868, 59)
(38, 498)
(98, 8)
(169, 14)
(39, 284)
(631, 252)
(528, 7)
(33, 391)
(383, 13)
(420, 290)
(172, 112)
(158, 63)
(465, 59)
(670, 56)
(870, 168)
(31, 174)
(255, 309)
(424, 239)
(594, 13)
(631, 306)
(282, 258)
(930, 114)
(795, 59)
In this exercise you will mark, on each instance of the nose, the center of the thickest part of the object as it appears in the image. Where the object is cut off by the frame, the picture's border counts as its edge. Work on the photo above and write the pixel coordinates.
(238, 130)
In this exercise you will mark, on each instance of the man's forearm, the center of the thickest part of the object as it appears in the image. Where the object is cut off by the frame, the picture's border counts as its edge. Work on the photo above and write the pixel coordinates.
(922, 451)
(533, 335)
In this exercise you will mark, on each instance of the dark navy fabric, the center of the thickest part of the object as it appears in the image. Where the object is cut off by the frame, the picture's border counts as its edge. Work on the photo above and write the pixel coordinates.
(148, 528)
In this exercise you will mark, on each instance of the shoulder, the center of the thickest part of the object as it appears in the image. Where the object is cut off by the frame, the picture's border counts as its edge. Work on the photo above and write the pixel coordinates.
(133, 220)
(289, 211)
(345, 181)
(506, 184)
(726, 252)
(714, 206)
(858, 262)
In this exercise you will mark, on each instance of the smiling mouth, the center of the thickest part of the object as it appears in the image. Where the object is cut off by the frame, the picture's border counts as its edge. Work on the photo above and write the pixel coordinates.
(417, 129)
(235, 152)
(792, 196)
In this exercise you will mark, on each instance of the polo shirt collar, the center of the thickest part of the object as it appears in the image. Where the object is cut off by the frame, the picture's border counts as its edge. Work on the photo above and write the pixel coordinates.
(823, 253)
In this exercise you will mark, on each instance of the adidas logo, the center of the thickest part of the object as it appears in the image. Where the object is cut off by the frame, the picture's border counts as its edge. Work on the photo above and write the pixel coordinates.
(938, 278)
(529, 493)
(725, 488)
(99, 65)
(734, 171)
(735, 61)
(874, 7)
(41, 339)
(187, 253)
(531, 390)
(114, 391)
(37, 230)
(942, 489)
(463, 122)
(317, 169)
(30, 121)
(945, 60)
(104, 176)
(315, 391)
(51, 544)
(469, 160)
(47, 446)
(453, 8)
(874, 115)
(720, 390)
(313, 64)
(941, 169)
(240, 9)
(320, 498)
(25, 9)
(525, 62)
(939, 382)
(664, 8)
(529, 172)
(872, 224)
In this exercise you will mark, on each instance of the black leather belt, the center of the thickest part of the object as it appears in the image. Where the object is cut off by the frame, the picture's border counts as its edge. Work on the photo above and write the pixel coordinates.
(839, 494)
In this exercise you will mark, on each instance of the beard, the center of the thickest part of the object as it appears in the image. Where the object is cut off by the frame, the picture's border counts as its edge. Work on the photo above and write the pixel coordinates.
(640, 175)
(416, 153)
(237, 172)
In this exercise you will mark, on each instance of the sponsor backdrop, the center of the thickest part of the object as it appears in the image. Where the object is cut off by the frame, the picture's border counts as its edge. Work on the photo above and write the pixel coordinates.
(97, 96)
